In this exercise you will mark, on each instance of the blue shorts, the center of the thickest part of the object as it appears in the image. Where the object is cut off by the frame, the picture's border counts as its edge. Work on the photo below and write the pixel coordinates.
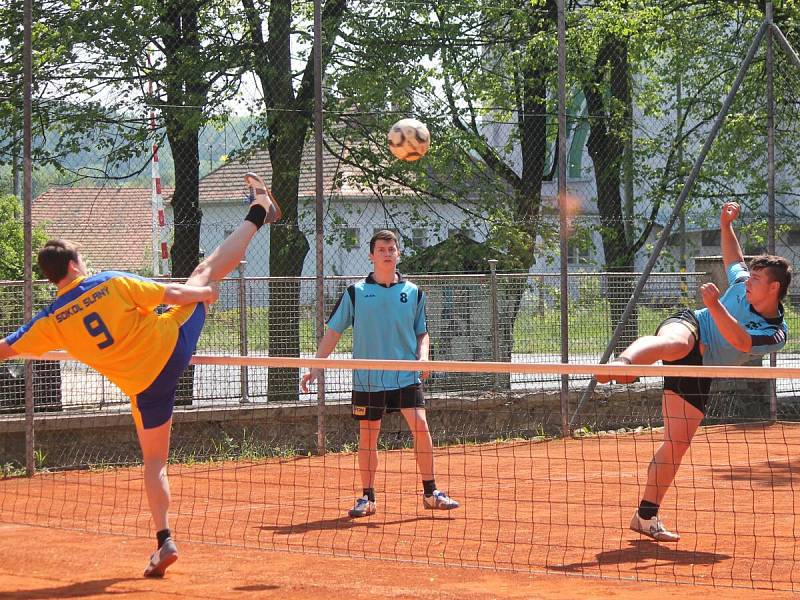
(153, 406)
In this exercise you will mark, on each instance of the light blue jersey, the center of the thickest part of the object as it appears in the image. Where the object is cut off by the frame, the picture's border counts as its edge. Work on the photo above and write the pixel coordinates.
(386, 321)
(767, 335)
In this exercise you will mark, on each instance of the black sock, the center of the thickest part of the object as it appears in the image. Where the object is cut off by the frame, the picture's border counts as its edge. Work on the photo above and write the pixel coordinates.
(428, 487)
(256, 215)
(162, 536)
(647, 510)
(370, 494)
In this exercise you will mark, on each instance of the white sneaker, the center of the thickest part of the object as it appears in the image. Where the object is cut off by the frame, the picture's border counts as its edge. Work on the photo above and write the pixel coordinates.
(653, 528)
(439, 501)
(363, 508)
(161, 559)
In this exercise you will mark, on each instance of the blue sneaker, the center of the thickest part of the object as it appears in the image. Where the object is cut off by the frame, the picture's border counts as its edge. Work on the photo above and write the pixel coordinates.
(363, 508)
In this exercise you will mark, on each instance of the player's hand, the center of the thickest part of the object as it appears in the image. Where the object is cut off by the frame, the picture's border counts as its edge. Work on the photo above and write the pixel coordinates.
(730, 210)
(424, 374)
(311, 377)
(710, 294)
(214, 285)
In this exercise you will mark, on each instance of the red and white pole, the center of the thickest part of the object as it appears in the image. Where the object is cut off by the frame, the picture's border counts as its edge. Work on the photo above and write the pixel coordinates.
(160, 251)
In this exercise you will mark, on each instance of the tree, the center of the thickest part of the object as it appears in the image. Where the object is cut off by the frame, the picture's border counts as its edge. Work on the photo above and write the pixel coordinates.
(287, 113)
(12, 240)
(480, 74)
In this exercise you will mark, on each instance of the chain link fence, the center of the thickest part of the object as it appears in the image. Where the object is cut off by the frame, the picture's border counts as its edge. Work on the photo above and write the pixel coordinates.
(147, 126)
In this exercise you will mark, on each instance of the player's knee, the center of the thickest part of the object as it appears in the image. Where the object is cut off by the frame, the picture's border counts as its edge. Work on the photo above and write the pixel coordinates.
(675, 449)
(675, 348)
(155, 467)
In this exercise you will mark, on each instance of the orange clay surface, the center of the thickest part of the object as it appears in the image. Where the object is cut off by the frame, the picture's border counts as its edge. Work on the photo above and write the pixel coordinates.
(41, 563)
(559, 507)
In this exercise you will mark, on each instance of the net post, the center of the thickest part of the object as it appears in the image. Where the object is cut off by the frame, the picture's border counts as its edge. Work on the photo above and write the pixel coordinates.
(495, 316)
(243, 346)
(770, 67)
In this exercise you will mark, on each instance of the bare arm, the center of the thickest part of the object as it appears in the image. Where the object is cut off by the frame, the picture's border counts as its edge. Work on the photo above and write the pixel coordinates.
(423, 346)
(6, 351)
(731, 251)
(179, 294)
(423, 351)
(326, 346)
(736, 335)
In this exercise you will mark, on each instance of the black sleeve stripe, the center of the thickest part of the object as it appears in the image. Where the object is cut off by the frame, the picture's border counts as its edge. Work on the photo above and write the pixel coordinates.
(741, 279)
(350, 290)
(778, 337)
(420, 298)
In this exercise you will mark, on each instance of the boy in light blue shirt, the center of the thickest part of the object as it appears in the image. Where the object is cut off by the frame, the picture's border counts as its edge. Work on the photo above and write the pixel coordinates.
(387, 314)
(746, 322)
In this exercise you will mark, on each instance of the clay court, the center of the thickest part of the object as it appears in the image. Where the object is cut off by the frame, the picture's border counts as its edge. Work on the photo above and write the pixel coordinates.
(529, 509)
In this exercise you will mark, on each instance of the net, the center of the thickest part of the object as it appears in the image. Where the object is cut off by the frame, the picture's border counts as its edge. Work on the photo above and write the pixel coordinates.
(250, 474)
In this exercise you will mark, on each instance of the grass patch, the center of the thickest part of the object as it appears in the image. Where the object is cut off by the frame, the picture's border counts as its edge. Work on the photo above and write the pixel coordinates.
(535, 332)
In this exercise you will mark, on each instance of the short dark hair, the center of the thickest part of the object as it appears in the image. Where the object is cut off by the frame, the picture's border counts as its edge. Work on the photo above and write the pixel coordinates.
(54, 258)
(386, 235)
(777, 268)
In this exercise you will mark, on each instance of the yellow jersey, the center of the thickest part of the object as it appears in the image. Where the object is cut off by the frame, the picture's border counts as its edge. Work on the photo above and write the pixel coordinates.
(108, 322)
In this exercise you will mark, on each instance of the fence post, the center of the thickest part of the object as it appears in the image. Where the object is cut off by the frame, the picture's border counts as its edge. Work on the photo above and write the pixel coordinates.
(27, 199)
(243, 374)
(495, 316)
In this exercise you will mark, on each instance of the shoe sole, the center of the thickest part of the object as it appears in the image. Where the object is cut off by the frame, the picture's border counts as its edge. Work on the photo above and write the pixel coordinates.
(274, 212)
(353, 515)
(159, 570)
(441, 507)
(652, 537)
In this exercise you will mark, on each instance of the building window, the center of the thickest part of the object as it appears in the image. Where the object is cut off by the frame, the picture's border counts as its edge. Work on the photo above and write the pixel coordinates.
(462, 230)
(710, 238)
(349, 238)
(419, 237)
(577, 255)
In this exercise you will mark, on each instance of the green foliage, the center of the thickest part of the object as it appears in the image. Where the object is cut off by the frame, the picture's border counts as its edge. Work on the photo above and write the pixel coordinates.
(12, 240)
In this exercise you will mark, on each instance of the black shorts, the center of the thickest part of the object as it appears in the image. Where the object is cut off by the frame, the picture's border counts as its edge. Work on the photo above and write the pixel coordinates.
(370, 406)
(695, 390)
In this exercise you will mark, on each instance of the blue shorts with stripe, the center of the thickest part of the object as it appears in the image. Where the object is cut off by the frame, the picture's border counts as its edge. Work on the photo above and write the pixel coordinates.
(153, 406)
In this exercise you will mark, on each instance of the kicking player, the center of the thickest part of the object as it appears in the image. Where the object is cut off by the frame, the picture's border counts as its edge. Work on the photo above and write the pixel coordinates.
(108, 321)
(387, 314)
(746, 322)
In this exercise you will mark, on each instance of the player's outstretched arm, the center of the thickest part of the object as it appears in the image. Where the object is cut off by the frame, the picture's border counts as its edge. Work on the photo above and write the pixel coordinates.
(423, 351)
(179, 294)
(6, 351)
(326, 346)
(731, 251)
(736, 335)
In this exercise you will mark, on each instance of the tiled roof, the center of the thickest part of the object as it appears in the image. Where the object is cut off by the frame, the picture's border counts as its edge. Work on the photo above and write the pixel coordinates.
(113, 225)
(226, 183)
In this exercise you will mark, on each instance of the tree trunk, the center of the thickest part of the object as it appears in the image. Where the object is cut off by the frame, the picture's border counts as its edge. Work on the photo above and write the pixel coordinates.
(186, 92)
(185, 251)
(609, 118)
(288, 249)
